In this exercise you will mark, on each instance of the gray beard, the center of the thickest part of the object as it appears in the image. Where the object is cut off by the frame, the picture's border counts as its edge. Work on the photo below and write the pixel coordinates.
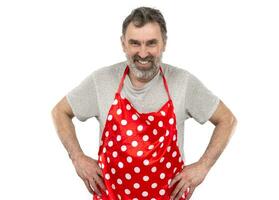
(147, 74)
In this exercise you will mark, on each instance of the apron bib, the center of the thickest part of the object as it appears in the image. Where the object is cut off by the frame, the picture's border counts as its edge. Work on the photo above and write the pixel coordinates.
(139, 154)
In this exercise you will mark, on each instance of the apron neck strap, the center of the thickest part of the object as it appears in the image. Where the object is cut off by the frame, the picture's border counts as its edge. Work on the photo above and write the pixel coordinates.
(126, 72)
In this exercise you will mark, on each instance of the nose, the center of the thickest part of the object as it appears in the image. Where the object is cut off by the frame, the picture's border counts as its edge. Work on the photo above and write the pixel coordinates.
(143, 53)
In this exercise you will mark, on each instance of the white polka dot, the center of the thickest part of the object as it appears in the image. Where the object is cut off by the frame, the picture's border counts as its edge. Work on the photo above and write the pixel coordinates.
(150, 146)
(174, 154)
(162, 144)
(167, 132)
(128, 107)
(123, 122)
(150, 118)
(114, 127)
(104, 150)
(174, 170)
(128, 176)
(154, 185)
(154, 169)
(155, 131)
(162, 192)
(169, 148)
(145, 138)
(113, 170)
(136, 186)
(162, 175)
(146, 162)
(140, 128)
(113, 186)
(139, 153)
(119, 111)
(115, 102)
(163, 113)
(118, 138)
(154, 154)
(160, 124)
(106, 133)
(120, 165)
(144, 194)
(169, 181)
(119, 197)
(119, 181)
(107, 192)
(110, 117)
(108, 160)
(174, 138)
(145, 178)
(162, 159)
(161, 139)
(137, 169)
(123, 148)
(110, 143)
(107, 176)
(114, 154)
(129, 159)
(134, 143)
(168, 165)
(134, 117)
(129, 132)
(171, 120)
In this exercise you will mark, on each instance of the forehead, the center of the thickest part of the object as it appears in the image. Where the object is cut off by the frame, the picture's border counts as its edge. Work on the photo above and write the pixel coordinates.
(147, 32)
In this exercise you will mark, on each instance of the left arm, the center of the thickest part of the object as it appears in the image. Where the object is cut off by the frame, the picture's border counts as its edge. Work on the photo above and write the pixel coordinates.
(193, 175)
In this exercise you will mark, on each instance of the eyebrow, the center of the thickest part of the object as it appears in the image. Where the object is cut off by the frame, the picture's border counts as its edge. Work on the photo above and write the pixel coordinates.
(152, 41)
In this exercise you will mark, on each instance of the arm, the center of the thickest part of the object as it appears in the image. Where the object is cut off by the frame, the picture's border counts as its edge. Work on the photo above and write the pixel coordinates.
(193, 175)
(62, 115)
(86, 167)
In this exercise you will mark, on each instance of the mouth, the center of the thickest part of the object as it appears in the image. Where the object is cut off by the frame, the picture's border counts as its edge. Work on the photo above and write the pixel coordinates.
(142, 62)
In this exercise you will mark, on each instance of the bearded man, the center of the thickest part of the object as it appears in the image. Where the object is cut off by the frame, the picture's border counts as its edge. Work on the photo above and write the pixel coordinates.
(141, 105)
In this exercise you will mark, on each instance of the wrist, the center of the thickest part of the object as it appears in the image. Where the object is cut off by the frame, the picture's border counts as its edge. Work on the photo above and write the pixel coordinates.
(75, 156)
(206, 164)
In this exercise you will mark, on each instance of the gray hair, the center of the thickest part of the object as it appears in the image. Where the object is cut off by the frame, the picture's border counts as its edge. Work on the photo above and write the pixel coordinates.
(143, 15)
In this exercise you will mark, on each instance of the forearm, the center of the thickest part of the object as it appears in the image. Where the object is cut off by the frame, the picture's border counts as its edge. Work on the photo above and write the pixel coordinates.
(67, 134)
(219, 140)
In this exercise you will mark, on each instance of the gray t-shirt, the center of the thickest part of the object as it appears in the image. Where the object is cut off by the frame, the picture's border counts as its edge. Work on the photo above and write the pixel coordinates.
(191, 99)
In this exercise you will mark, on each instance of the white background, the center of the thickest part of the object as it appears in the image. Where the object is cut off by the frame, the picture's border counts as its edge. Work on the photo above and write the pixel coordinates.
(48, 47)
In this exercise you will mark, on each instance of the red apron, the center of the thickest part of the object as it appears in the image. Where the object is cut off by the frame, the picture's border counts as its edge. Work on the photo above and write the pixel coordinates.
(139, 154)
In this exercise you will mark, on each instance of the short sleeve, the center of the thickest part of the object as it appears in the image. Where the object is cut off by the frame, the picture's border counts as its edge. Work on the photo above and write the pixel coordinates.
(200, 101)
(83, 99)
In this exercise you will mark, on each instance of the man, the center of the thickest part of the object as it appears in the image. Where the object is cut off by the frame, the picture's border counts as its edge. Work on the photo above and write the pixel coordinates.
(146, 89)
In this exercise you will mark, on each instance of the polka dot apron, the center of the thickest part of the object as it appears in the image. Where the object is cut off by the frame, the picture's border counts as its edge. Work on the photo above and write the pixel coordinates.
(138, 154)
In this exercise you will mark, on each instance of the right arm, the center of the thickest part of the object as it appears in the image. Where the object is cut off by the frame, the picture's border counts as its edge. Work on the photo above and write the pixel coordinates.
(86, 167)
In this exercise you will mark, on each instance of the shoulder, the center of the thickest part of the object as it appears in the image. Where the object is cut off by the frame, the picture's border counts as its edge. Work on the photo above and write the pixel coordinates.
(174, 72)
(110, 72)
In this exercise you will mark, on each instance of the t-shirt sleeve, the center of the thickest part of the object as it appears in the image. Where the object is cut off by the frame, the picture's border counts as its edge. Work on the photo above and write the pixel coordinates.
(200, 101)
(83, 99)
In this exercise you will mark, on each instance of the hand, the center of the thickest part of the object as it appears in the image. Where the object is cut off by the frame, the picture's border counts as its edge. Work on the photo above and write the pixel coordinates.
(190, 177)
(91, 174)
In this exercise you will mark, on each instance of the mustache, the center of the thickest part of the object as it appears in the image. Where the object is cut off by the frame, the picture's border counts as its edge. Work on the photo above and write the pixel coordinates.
(147, 58)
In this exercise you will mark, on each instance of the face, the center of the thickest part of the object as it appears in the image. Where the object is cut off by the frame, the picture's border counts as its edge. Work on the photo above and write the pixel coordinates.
(143, 47)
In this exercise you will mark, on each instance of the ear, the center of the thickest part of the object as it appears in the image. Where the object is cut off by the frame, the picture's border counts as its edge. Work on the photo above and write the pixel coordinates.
(122, 40)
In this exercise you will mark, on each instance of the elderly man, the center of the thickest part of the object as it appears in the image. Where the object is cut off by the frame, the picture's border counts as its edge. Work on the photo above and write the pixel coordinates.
(141, 105)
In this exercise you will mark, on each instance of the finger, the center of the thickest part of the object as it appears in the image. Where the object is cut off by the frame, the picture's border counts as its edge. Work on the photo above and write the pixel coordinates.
(88, 186)
(177, 188)
(192, 189)
(94, 187)
(181, 192)
(100, 182)
(99, 171)
(174, 180)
